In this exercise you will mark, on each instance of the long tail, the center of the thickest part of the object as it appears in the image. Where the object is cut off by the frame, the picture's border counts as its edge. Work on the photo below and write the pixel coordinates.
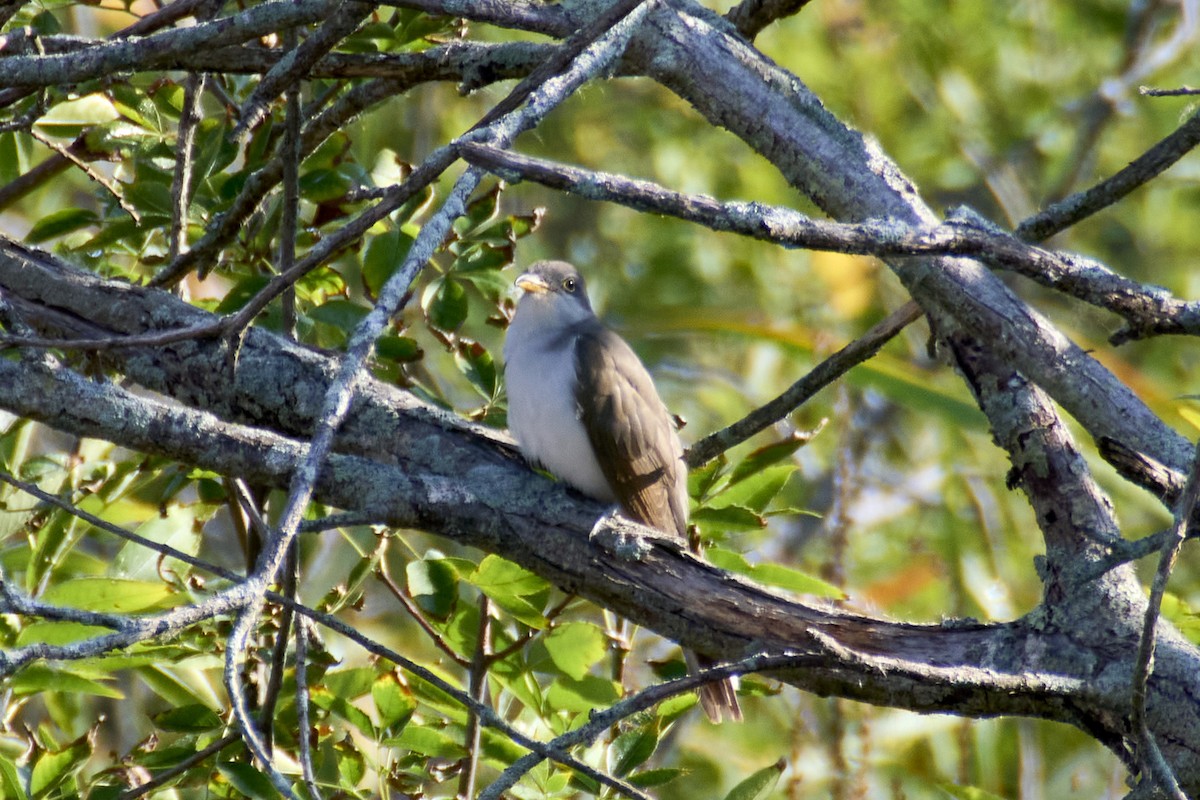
(718, 699)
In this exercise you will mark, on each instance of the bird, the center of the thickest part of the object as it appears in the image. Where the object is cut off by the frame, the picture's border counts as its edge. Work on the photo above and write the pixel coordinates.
(582, 406)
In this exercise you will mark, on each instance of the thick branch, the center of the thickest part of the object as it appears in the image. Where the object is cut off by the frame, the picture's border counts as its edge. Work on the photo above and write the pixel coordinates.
(411, 465)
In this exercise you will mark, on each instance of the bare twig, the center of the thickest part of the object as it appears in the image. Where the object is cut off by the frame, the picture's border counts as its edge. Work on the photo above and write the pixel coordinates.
(477, 686)
(290, 154)
(819, 377)
(439, 641)
(1182, 91)
(751, 16)
(1150, 757)
(292, 67)
(167, 775)
(72, 155)
(1141, 170)
(185, 158)
(26, 71)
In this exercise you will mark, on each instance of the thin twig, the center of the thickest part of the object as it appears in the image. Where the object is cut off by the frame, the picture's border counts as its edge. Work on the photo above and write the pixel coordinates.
(1141, 170)
(795, 395)
(290, 154)
(185, 159)
(1149, 755)
(385, 576)
(292, 67)
(302, 715)
(486, 715)
(477, 686)
(1182, 91)
(169, 774)
(71, 155)
(590, 62)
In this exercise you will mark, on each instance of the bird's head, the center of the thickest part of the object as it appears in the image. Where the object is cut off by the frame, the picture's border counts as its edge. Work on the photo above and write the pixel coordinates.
(555, 288)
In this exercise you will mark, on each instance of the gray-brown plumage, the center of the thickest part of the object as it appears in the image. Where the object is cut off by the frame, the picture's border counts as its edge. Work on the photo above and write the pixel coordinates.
(581, 405)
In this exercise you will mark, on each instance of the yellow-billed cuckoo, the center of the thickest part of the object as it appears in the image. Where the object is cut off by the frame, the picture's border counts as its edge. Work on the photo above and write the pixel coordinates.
(582, 406)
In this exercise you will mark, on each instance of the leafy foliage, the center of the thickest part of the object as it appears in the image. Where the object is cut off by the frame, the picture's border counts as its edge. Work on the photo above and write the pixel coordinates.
(899, 504)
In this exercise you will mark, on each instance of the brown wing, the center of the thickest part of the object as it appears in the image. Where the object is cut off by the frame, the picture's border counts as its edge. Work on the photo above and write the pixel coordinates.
(630, 430)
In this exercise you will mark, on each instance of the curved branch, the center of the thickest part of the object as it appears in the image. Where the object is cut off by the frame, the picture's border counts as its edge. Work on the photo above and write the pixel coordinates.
(407, 464)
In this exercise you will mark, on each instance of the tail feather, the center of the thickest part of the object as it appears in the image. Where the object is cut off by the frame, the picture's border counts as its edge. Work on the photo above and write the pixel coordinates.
(719, 698)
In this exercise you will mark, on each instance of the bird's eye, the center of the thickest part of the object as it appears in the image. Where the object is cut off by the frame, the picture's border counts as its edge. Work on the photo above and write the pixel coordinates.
(569, 284)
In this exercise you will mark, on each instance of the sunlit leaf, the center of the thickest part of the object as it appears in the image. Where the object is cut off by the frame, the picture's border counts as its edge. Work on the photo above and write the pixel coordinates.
(39, 678)
(59, 222)
(52, 767)
(188, 719)
(582, 696)
(773, 574)
(766, 456)
(759, 785)
(755, 491)
(427, 741)
(11, 784)
(394, 702)
(248, 780)
(576, 647)
(118, 595)
(633, 748)
(433, 584)
(514, 589)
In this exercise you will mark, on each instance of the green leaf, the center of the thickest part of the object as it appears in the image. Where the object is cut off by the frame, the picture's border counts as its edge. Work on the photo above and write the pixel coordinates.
(394, 702)
(383, 255)
(60, 222)
(10, 781)
(967, 792)
(433, 584)
(582, 696)
(755, 491)
(702, 479)
(57, 633)
(178, 528)
(446, 304)
(52, 767)
(655, 777)
(474, 361)
(427, 741)
(241, 293)
(633, 748)
(759, 785)
(514, 589)
(324, 185)
(192, 718)
(248, 780)
(480, 210)
(115, 595)
(491, 283)
(350, 683)
(767, 455)
(38, 678)
(340, 706)
(341, 314)
(11, 162)
(576, 647)
(68, 119)
(482, 257)
(728, 518)
(773, 574)
(398, 348)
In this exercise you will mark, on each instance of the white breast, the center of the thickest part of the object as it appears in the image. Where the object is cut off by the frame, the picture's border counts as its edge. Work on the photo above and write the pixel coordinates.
(542, 413)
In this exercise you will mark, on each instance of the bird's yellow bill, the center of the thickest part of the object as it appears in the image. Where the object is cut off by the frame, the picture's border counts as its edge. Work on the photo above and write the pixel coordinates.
(532, 283)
